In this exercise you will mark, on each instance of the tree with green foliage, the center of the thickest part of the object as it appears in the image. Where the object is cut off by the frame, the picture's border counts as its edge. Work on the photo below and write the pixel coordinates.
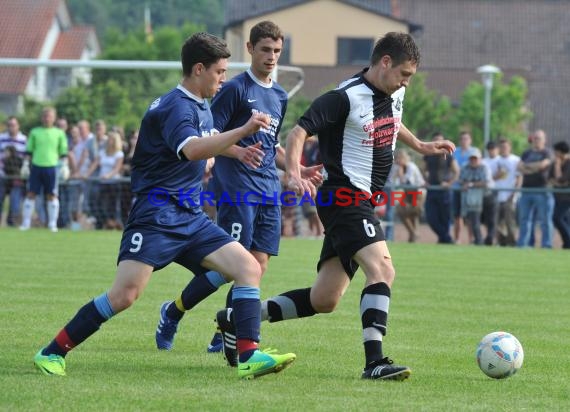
(508, 111)
(121, 96)
(296, 106)
(128, 15)
(427, 112)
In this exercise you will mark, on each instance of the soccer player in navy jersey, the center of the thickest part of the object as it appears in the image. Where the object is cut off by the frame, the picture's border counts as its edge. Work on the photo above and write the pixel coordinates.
(357, 125)
(248, 167)
(166, 223)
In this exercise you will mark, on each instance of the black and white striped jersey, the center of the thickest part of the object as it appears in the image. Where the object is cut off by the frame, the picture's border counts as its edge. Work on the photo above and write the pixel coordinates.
(357, 126)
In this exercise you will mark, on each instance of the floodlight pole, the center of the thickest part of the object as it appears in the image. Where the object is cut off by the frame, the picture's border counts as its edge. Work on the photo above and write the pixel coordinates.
(487, 74)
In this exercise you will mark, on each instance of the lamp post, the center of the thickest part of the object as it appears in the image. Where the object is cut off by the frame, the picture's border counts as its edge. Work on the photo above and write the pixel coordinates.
(487, 74)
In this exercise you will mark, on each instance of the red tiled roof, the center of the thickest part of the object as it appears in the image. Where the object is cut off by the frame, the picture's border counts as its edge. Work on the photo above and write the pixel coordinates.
(71, 43)
(24, 25)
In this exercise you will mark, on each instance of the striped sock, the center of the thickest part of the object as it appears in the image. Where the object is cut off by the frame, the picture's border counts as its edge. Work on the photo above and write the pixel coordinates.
(374, 305)
(289, 305)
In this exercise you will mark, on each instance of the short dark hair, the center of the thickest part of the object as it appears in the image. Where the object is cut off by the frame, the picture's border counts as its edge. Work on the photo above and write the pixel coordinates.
(562, 147)
(202, 48)
(401, 47)
(503, 140)
(491, 145)
(263, 30)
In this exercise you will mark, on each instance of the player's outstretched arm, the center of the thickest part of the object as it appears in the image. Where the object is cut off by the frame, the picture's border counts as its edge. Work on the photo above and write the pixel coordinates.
(444, 147)
(293, 151)
(206, 147)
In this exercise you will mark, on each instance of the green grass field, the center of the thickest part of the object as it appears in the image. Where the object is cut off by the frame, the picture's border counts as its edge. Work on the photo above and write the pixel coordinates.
(444, 300)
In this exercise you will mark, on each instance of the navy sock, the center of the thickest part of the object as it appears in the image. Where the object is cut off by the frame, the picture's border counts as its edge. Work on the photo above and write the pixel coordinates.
(244, 356)
(85, 323)
(195, 292)
(247, 316)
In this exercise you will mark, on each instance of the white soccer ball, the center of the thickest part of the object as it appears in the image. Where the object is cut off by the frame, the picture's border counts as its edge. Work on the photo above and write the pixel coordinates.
(499, 355)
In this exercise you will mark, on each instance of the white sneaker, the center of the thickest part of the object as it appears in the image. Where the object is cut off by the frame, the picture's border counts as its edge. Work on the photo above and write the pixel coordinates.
(24, 228)
(53, 229)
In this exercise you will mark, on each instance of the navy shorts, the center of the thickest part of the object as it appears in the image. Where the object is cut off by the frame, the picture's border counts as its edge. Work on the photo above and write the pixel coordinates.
(43, 177)
(347, 230)
(256, 227)
(159, 235)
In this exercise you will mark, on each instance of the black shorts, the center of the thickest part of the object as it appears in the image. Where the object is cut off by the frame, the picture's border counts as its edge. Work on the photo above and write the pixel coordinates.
(347, 230)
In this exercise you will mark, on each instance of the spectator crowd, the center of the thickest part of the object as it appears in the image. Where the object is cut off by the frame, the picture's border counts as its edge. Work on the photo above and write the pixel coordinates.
(496, 198)
(92, 184)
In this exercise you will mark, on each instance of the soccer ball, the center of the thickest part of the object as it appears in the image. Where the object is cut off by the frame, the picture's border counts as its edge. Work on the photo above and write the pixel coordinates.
(499, 355)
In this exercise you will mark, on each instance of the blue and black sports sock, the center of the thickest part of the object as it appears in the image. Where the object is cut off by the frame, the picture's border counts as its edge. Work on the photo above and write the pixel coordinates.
(85, 323)
(195, 292)
(247, 317)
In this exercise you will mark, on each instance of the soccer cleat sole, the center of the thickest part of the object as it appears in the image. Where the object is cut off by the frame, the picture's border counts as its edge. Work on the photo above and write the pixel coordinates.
(275, 369)
(396, 376)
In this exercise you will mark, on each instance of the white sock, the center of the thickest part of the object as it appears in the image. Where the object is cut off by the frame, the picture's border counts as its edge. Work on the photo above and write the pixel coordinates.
(53, 212)
(27, 212)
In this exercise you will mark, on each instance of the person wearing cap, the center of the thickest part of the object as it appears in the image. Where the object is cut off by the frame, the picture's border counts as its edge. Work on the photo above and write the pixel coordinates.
(474, 178)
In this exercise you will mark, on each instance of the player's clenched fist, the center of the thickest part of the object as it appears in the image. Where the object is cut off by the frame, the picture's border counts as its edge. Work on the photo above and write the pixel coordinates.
(257, 121)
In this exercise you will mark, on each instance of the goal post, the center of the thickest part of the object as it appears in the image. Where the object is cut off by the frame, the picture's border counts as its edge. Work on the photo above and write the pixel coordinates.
(290, 77)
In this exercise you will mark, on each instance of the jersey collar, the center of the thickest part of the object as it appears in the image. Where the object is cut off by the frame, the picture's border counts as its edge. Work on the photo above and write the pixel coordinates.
(190, 94)
(370, 85)
(259, 82)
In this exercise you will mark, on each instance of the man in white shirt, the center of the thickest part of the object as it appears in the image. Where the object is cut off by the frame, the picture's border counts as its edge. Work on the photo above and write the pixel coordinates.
(507, 177)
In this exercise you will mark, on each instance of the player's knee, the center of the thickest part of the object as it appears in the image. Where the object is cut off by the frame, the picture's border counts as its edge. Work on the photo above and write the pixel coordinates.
(383, 272)
(324, 303)
(248, 272)
(388, 271)
(123, 299)
(263, 267)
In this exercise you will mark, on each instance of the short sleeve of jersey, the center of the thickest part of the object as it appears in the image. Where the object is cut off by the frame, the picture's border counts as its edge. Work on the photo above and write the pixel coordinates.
(326, 111)
(224, 104)
(180, 123)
